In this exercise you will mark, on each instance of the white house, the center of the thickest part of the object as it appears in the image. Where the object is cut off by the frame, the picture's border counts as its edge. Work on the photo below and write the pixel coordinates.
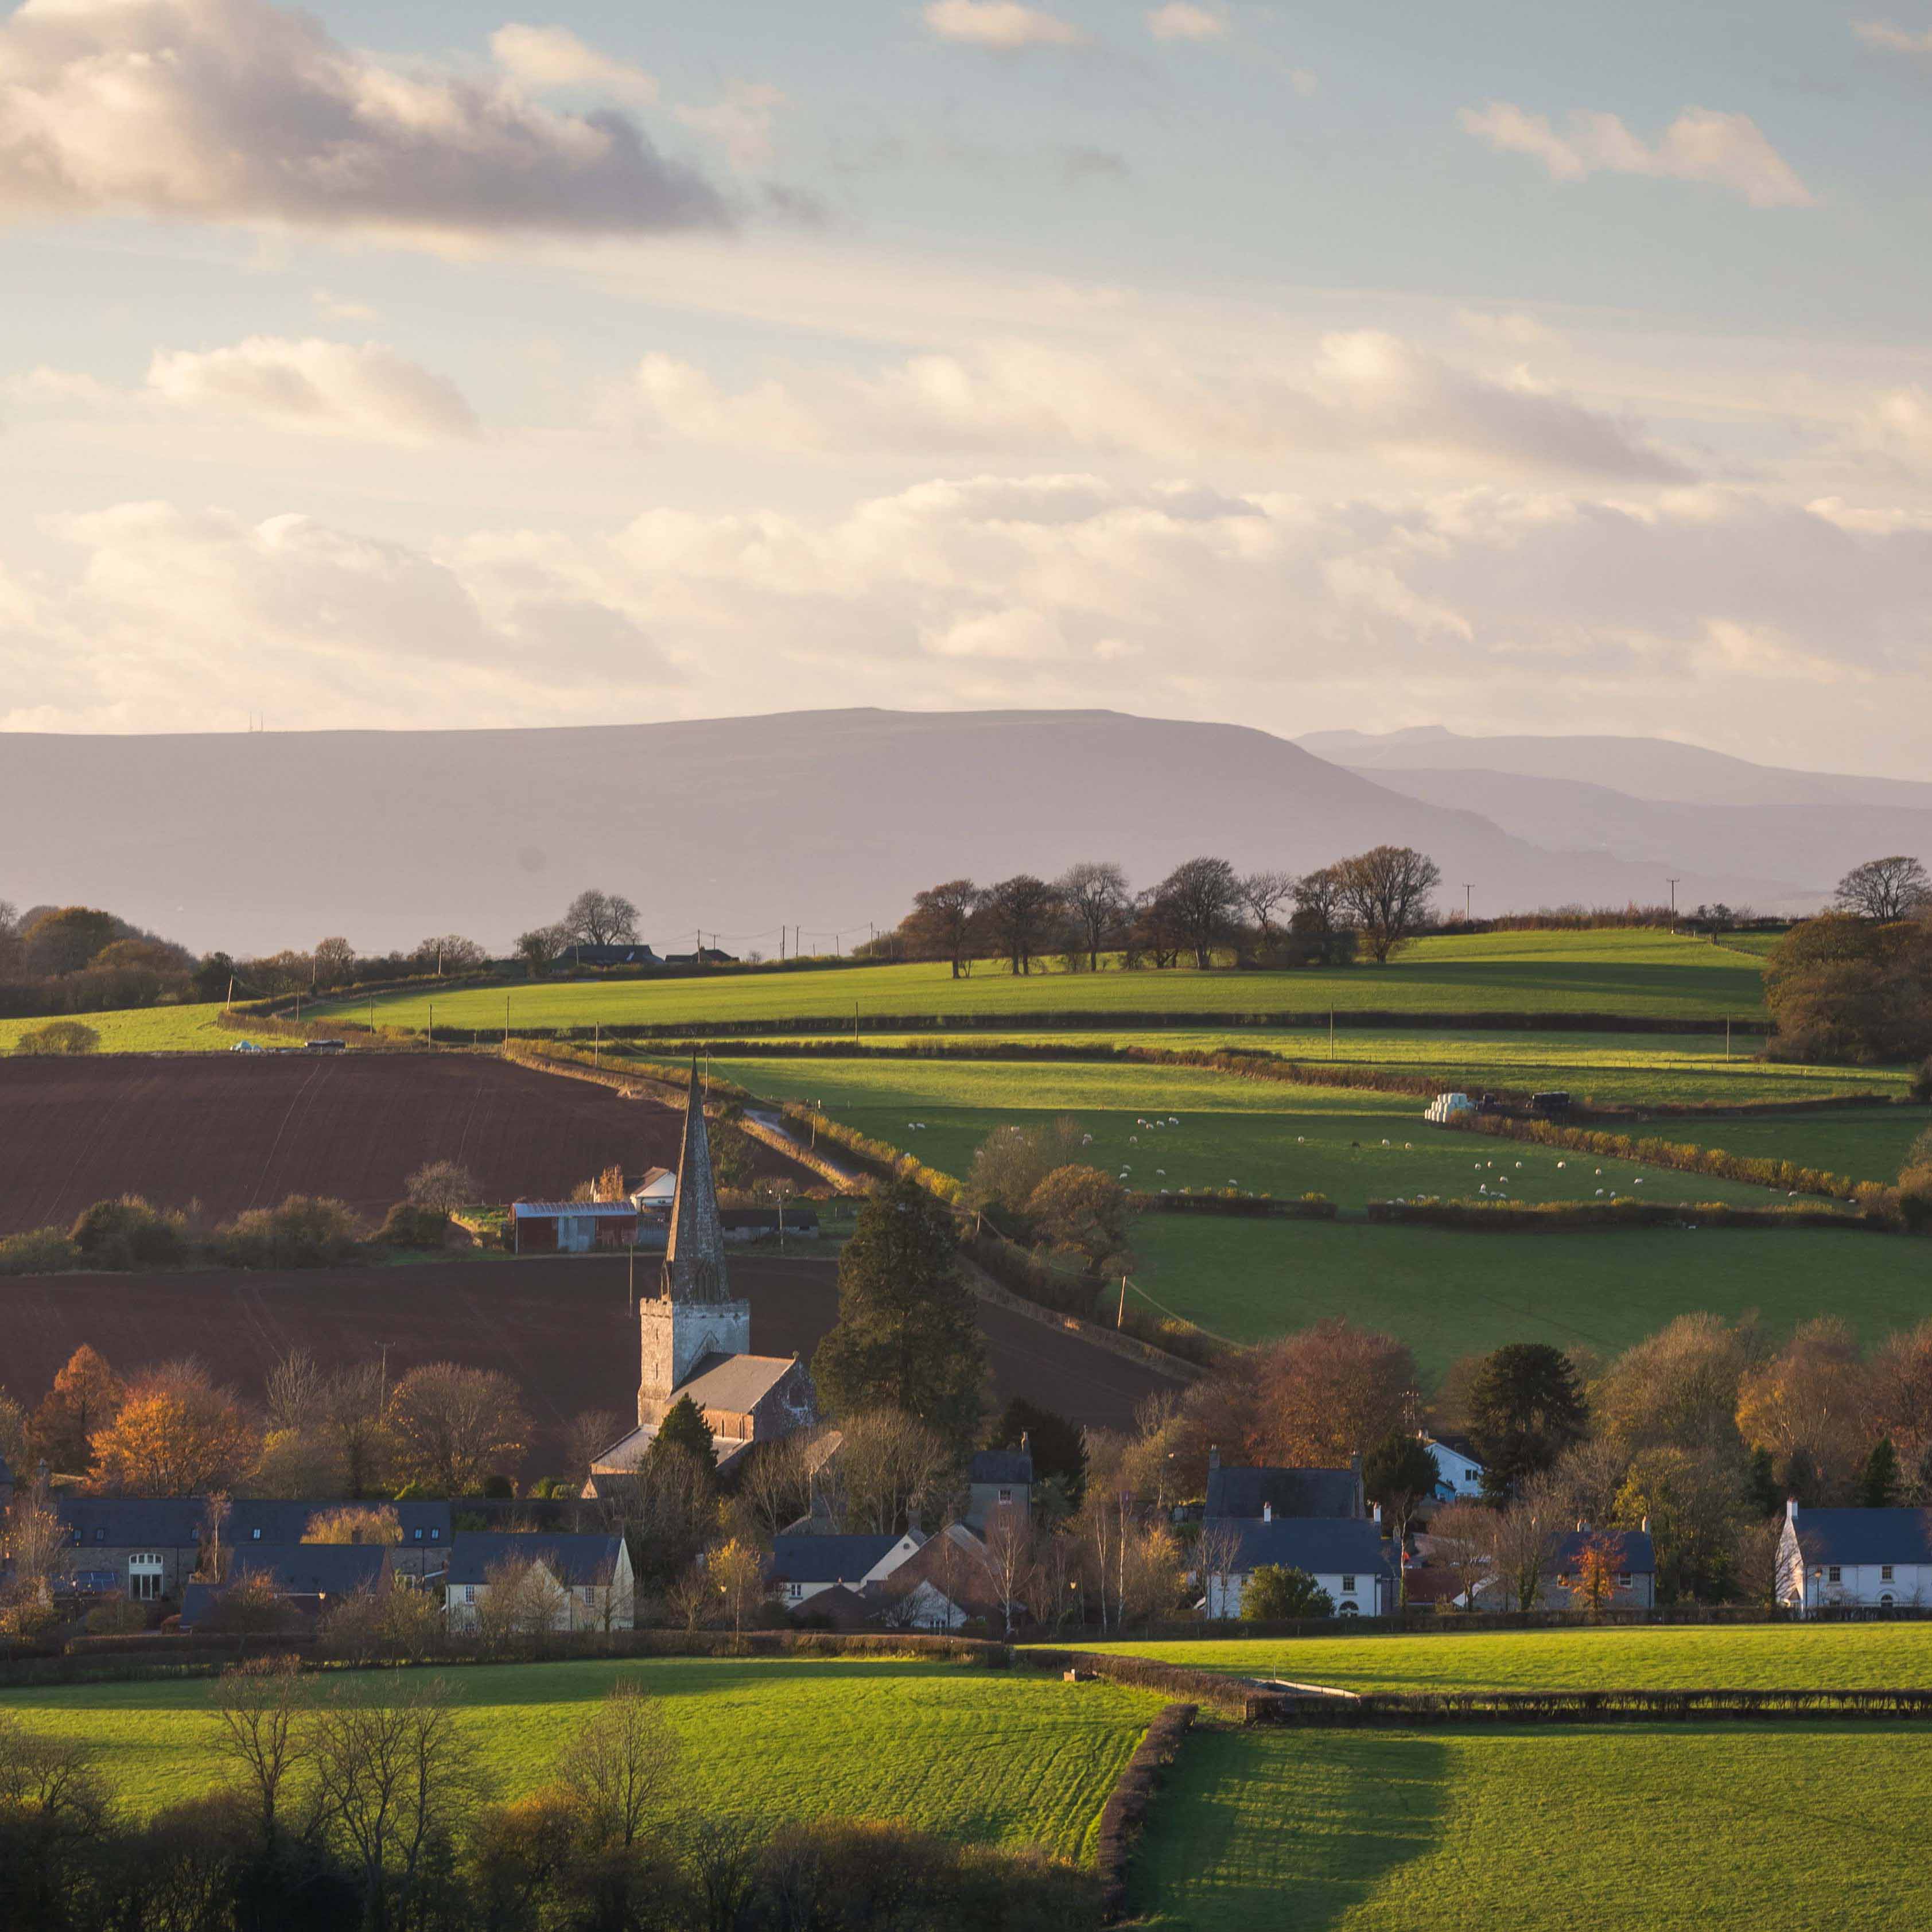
(802, 1566)
(596, 1589)
(1874, 1558)
(1458, 1474)
(657, 1190)
(1346, 1557)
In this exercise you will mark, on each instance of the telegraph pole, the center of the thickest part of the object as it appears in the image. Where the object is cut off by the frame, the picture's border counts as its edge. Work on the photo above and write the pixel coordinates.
(1467, 890)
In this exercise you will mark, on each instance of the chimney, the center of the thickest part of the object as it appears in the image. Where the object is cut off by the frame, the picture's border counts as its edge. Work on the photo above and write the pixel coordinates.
(1377, 1512)
(1213, 1456)
(1582, 1526)
(1026, 1443)
(1791, 1509)
(1268, 1512)
(1645, 1525)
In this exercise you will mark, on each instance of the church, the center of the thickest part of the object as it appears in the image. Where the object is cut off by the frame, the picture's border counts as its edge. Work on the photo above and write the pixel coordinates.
(696, 1339)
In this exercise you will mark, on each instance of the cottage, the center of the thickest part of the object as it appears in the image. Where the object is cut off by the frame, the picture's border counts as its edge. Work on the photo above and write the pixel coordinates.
(572, 1227)
(1873, 1558)
(803, 1566)
(145, 1548)
(308, 1578)
(1247, 1495)
(423, 1551)
(1635, 1574)
(654, 1194)
(1345, 1556)
(1458, 1476)
(596, 1587)
(1000, 1481)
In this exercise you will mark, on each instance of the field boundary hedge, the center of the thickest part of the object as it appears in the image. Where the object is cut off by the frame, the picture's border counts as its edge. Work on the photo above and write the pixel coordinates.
(1528, 1217)
(1124, 1817)
(1406, 1708)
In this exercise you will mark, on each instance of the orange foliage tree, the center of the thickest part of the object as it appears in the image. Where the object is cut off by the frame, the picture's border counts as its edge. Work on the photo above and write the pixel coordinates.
(178, 1434)
(86, 1396)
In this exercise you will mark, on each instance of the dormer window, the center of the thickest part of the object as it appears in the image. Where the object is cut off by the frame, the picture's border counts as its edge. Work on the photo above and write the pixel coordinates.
(255, 1536)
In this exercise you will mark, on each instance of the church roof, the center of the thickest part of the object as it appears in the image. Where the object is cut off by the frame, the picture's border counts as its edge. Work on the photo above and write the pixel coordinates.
(694, 1263)
(735, 1383)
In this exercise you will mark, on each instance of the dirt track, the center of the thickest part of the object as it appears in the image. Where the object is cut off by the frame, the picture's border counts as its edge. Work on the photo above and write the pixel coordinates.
(244, 1130)
(560, 1327)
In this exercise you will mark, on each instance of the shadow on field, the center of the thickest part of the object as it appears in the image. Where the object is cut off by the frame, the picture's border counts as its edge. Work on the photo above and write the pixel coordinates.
(1263, 1830)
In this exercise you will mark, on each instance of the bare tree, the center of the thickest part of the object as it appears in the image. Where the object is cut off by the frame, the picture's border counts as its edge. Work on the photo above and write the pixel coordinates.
(454, 1425)
(334, 961)
(444, 1185)
(595, 918)
(1098, 901)
(1884, 890)
(1217, 1551)
(1459, 1540)
(890, 1466)
(1318, 899)
(776, 1486)
(520, 1598)
(1008, 1556)
(941, 924)
(620, 1766)
(1261, 894)
(592, 1431)
(1202, 895)
(538, 948)
(355, 1424)
(1522, 1544)
(296, 1391)
(1019, 913)
(263, 1712)
(448, 952)
(1386, 892)
(1053, 1588)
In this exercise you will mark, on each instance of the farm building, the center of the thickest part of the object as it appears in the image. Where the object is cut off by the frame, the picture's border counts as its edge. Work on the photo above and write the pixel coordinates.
(587, 955)
(146, 1548)
(572, 1227)
(1873, 1558)
(656, 1191)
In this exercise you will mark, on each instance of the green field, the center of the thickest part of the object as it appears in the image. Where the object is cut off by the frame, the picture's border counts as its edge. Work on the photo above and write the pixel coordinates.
(1696, 1657)
(1168, 1129)
(1447, 1293)
(1634, 973)
(1003, 1758)
(1718, 1828)
(1867, 1143)
(142, 1029)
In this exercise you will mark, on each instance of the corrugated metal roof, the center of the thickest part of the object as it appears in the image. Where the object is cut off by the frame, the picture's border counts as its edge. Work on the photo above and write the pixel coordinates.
(525, 1210)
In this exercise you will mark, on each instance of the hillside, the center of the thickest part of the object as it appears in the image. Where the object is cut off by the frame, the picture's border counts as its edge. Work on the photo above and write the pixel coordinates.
(828, 819)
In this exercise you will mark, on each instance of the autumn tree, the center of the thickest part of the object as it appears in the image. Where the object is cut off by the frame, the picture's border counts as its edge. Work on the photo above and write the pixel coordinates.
(67, 938)
(1884, 890)
(454, 1425)
(374, 1524)
(1329, 1392)
(443, 1185)
(1083, 1215)
(1678, 1388)
(178, 1434)
(1386, 892)
(736, 1571)
(906, 1337)
(1600, 1562)
(1809, 1399)
(1524, 1410)
(1010, 1163)
(86, 1396)
(1095, 894)
(1840, 987)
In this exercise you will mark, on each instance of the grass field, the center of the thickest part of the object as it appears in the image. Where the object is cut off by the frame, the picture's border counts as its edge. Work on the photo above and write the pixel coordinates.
(142, 1029)
(1006, 1758)
(1720, 1828)
(1634, 973)
(1447, 1293)
(1698, 1656)
(1868, 1145)
(1262, 1137)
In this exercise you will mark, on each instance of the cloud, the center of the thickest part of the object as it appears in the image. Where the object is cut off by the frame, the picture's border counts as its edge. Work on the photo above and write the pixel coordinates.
(1365, 391)
(236, 110)
(1004, 25)
(1894, 40)
(334, 388)
(742, 120)
(543, 58)
(1727, 151)
(337, 309)
(1513, 328)
(1179, 21)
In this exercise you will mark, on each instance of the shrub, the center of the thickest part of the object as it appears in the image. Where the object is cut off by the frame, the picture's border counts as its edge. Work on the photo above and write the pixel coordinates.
(305, 1231)
(1272, 1593)
(40, 1251)
(57, 1036)
(129, 1233)
(116, 1617)
(408, 1225)
(1921, 1089)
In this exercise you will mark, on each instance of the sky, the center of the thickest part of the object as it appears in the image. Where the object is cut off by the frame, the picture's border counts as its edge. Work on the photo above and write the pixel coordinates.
(1511, 367)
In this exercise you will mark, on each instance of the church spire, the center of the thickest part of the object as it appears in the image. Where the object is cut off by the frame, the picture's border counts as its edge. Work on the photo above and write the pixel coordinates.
(694, 1263)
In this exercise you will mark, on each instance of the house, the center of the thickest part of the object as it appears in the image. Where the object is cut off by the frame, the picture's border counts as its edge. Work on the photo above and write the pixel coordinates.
(571, 1227)
(309, 1579)
(423, 1552)
(999, 1480)
(1346, 1556)
(585, 954)
(1636, 1573)
(1458, 1476)
(802, 1567)
(145, 1548)
(1248, 1494)
(653, 1194)
(695, 1337)
(1873, 1558)
(593, 1574)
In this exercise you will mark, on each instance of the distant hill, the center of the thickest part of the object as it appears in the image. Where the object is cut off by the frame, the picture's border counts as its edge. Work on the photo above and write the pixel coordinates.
(831, 819)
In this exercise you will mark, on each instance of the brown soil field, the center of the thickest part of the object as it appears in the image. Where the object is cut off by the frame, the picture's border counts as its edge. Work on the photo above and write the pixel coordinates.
(246, 1130)
(560, 1326)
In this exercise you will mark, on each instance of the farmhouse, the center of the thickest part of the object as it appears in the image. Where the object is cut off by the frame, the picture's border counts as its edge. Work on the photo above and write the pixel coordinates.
(1345, 1556)
(572, 1227)
(1874, 1558)
(802, 1567)
(695, 1340)
(596, 1588)
(1247, 1495)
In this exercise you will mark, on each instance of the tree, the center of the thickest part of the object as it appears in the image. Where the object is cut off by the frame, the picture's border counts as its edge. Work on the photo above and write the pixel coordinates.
(1319, 899)
(1839, 987)
(86, 1396)
(1524, 1409)
(1201, 896)
(1678, 1388)
(178, 1434)
(1884, 890)
(454, 1425)
(355, 1424)
(36, 1546)
(1095, 894)
(128, 1234)
(1261, 896)
(1600, 1563)
(1055, 1445)
(620, 1767)
(538, 948)
(67, 939)
(1019, 913)
(334, 962)
(450, 952)
(1386, 892)
(1878, 1480)
(1013, 1161)
(737, 1574)
(591, 1432)
(1521, 1545)
(1081, 1213)
(891, 1468)
(684, 1432)
(261, 1710)
(57, 1038)
(906, 1337)
(1692, 1501)
(444, 1185)
(941, 924)
(595, 918)
(1809, 1396)
(1898, 1392)
(1398, 1473)
(377, 1524)
(1273, 1594)
(1459, 1540)
(1328, 1392)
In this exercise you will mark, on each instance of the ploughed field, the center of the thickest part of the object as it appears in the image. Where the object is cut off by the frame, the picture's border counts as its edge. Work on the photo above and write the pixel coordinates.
(1007, 1758)
(1166, 1128)
(243, 1130)
(561, 1327)
(1632, 972)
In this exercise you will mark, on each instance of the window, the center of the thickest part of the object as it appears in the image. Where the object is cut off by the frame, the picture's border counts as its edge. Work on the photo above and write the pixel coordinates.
(794, 1590)
(100, 1536)
(1885, 1602)
(1348, 1608)
(1006, 1495)
(1348, 1583)
(417, 1533)
(255, 1536)
(1833, 1575)
(1623, 1580)
(1884, 1573)
(434, 1534)
(144, 1577)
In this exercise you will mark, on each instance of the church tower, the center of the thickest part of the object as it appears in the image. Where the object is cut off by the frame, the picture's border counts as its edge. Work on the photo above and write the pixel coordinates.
(693, 1314)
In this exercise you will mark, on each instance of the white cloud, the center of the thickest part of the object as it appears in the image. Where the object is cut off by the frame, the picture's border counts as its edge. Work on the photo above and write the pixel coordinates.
(1898, 424)
(1365, 391)
(543, 58)
(742, 120)
(1004, 25)
(1179, 21)
(1727, 151)
(335, 389)
(1894, 40)
(1511, 327)
(338, 308)
(237, 110)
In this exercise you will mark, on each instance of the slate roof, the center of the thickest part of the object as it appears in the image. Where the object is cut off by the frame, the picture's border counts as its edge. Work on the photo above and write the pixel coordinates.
(422, 1522)
(1865, 1535)
(312, 1569)
(1242, 1493)
(1001, 1465)
(1639, 1554)
(736, 1383)
(133, 1523)
(570, 1559)
(1321, 1545)
(827, 1559)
